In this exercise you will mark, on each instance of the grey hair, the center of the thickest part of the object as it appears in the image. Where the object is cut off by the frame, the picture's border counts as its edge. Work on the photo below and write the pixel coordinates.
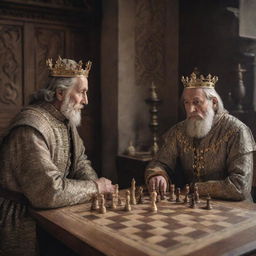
(48, 94)
(211, 93)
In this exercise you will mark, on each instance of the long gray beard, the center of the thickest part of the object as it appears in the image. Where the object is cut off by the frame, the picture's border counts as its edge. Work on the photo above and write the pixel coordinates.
(71, 112)
(200, 128)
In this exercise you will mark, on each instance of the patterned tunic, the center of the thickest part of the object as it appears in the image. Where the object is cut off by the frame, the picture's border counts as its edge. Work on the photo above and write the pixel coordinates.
(222, 161)
(41, 157)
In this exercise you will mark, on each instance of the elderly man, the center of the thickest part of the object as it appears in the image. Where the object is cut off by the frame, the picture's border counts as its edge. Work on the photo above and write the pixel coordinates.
(42, 158)
(210, 147)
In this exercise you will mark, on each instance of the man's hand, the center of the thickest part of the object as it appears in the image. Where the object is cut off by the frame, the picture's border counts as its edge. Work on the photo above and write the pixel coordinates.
(157, 183)
(105, 185)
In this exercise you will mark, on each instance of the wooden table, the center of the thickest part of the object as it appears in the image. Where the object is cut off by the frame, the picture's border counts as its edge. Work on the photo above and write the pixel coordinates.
(228, 229)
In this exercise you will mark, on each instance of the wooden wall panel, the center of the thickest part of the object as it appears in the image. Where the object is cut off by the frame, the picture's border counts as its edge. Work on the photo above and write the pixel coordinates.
(49, 43)
(11, 76)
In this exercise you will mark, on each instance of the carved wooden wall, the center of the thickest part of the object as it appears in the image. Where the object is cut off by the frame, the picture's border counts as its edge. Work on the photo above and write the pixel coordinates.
(32, 31)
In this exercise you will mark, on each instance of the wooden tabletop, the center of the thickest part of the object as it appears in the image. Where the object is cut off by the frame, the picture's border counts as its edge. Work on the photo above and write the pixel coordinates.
(176, 229)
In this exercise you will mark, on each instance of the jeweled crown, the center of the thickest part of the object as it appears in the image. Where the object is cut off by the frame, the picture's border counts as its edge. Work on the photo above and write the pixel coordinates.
(67, 68)
(199, 81)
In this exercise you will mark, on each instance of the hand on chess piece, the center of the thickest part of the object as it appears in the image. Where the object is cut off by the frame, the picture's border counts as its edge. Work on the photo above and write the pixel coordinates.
(157, 183)
(104, 185)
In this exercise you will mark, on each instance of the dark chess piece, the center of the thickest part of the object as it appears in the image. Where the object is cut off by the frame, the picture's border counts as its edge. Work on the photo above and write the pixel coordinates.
(208, 203)
(192, 202)
(140, 199)
(178, 200)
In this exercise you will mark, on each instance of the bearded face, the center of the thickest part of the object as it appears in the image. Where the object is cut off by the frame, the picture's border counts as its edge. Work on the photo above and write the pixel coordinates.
(200, 113)
(71, 110)
(200, 127)
(74, 100)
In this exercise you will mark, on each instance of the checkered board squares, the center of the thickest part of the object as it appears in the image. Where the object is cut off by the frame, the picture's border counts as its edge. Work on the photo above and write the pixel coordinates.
(172, 227)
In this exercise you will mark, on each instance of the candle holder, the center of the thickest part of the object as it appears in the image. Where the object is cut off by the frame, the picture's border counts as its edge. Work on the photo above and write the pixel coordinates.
(153, 101)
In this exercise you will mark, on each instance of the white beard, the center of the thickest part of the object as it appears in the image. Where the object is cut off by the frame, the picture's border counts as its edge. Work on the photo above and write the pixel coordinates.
(71, 111)
(199, 128)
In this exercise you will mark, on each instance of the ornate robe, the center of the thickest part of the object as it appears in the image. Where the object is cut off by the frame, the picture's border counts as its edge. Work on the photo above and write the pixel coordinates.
(222, 161)
(41, 157)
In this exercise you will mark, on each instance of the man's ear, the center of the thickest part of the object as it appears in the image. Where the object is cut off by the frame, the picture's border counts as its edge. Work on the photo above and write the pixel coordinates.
(60, 94)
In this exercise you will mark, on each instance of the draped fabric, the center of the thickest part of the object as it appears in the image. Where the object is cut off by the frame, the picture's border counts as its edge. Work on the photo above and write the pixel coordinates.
(43, 158)
(221, 162)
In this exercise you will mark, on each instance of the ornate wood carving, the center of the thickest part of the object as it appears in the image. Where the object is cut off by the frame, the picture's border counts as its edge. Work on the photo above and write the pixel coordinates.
(49, 44)
(10, 65)
(149, 42)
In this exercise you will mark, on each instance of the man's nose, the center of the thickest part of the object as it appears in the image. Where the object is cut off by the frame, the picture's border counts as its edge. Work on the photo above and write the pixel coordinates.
(191, 108)
(85, 100)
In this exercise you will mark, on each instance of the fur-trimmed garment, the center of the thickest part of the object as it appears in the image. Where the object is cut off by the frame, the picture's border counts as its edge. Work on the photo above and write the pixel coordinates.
(41, 157)
(222, 161)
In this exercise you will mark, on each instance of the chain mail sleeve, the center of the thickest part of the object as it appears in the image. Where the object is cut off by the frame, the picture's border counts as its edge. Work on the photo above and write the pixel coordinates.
(38, 177)
(82, 168)
(239, 164)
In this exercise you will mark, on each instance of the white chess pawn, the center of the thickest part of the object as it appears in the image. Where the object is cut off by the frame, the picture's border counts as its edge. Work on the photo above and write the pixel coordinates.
(153, 201)
(113, 202)
(95, 202)
(117, 190)
(102, 204)
(133, 188)
(127, 201)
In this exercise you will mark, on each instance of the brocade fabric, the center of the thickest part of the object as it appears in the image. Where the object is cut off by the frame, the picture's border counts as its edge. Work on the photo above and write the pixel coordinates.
(222, 161)
(42, 157)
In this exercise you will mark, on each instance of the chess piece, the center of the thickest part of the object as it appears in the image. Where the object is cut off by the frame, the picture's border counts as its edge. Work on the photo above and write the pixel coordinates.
(196, 194)
(133, 188)
(192, 202)
(208, 203)
(178, 200)
(127, 206)
(113, 201)
(153, 201)
(187, 189)
(95, 202)
(117, 190)
(172, 189)
(186, 199)
(119, 201)
(140, 199)
(102, 208)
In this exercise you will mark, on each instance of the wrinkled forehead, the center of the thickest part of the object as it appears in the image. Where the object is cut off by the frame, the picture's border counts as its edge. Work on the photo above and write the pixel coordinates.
(81, 83)
(193, 93)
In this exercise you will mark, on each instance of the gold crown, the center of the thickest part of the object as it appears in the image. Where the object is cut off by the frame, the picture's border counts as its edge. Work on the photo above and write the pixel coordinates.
(67, 68)
(199, 82)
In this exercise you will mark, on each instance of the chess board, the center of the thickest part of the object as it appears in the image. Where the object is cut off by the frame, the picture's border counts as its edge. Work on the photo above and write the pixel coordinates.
(175, 229)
